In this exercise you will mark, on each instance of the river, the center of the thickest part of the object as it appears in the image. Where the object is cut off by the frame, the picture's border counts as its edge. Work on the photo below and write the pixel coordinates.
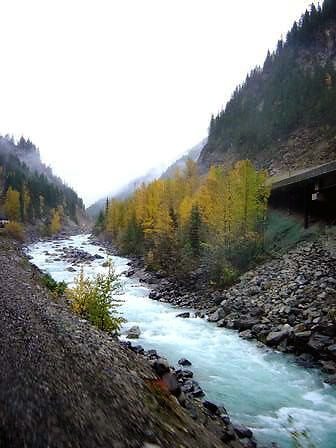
(258, 387)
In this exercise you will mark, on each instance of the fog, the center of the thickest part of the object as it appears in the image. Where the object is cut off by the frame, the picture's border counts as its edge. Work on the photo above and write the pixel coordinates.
(108, 89)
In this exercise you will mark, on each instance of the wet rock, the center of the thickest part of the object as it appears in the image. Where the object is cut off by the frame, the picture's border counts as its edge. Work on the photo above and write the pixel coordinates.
(138, 349)
(71, 269)
(331, 379)
(328, 367)
(197, 392)
(248, 443)
(245, 324)
(217, 315)
(134, 332)
(247, 334)
(212, 407)
(318, 342)
(161, 366)
(275, 337)
(228, 435)
(184, 362)
(221, 323)
(183, 315)
(242, 431)
(332, 351)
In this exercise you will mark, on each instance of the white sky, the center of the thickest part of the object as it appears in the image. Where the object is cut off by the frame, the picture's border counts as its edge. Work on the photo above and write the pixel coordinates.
(109, 88)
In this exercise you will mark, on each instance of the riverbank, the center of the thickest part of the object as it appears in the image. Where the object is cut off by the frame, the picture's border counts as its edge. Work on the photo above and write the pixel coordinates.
(64, 383)
(287, 303)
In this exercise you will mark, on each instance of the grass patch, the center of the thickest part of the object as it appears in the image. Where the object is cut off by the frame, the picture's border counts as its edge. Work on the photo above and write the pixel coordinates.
(286, 231)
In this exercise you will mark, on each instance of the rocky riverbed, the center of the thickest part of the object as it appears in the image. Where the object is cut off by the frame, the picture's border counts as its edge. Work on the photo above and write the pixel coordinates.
(288, 303)
(64, 383)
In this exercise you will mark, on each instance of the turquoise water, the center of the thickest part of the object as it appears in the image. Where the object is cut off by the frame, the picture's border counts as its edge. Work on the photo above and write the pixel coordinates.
(258, 387)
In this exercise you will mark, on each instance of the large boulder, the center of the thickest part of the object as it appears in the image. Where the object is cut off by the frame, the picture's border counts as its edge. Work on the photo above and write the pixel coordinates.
(275, 337)
(242, 431)
(332, 351)
(133, 332)
(183, 315)
(318, 342)
(161, 366)
(217, 315)
(184, 362)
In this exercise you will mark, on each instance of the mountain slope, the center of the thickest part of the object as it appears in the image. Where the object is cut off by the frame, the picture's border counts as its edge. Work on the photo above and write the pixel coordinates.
(284, 115)
(192, 154)
(39, 191)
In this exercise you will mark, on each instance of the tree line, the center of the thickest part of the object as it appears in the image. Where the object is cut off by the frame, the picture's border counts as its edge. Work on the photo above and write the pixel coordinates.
(178, 224)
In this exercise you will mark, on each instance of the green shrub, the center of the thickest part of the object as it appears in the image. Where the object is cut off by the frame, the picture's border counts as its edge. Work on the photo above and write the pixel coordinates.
(58, 288)
(95, 299)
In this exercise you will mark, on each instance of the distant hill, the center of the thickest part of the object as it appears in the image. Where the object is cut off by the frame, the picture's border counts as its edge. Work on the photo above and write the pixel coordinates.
(40, 192)
(152, 174)
(123, 192)
(284, 115)
(192, 153)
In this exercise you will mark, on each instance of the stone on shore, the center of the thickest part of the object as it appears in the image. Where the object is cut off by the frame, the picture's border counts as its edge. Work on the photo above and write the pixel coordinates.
(183, 315)
(133, 332)
(184, 362)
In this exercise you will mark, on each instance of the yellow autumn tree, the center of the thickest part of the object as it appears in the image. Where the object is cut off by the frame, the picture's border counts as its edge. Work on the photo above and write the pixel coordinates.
(12, 204)
(171, 219)
(55, 225)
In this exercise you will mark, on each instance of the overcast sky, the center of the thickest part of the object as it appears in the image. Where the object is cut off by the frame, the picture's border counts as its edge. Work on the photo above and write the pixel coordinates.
(107, 89)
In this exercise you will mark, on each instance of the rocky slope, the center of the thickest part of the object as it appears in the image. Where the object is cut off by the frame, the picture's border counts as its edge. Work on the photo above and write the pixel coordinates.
(64, 383)
(288, 303)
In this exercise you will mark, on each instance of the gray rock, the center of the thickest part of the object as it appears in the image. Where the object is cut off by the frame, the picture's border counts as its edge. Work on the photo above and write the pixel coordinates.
(184, 362)
(183, 315)
(133, 332)
(213, 408)
(275, 337)
(161, 366)
(247, 334)
(217, 315)
(332, 351)
(242, 431)
(318, 342)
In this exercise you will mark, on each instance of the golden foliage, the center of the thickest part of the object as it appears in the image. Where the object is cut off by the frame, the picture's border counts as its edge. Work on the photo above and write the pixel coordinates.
(55, 225)
(12, 204)
(232, 207)
(14, 230)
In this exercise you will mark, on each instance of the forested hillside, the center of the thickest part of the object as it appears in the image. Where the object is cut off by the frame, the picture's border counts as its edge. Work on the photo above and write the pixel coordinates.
(284, 114)
(188, 221)
(29, 192)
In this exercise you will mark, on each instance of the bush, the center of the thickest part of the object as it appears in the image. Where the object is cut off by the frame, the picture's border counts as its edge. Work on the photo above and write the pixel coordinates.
(14, 230)
(220, 271)
(94, 299)
(57, 288)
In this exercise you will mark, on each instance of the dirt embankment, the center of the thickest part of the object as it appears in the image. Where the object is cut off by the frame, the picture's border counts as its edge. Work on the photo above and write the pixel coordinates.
(65, 384)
